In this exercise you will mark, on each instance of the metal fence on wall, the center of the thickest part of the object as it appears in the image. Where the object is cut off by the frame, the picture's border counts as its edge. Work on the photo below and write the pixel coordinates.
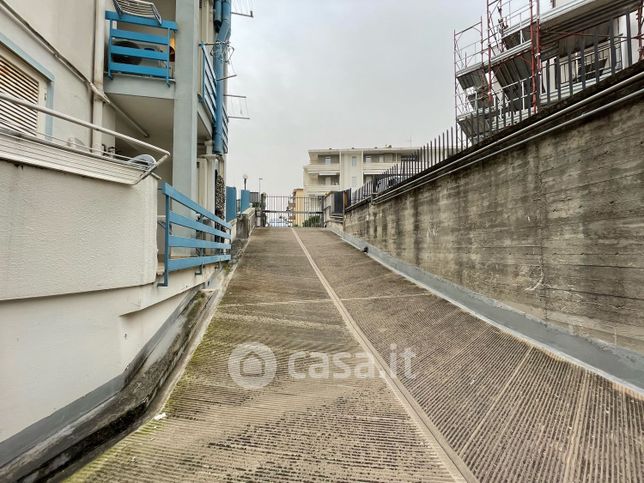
(451, 142)
(587, 60)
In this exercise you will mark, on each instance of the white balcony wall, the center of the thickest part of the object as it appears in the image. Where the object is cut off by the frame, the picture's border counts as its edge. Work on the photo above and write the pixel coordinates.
(65, 233)
(79, 299)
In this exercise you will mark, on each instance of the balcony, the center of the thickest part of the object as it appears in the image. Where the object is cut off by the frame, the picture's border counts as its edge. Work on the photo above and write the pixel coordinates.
(320, 189)
(376, 168)
(323, 169)
(208, 84)
(140, 46)
(66, 152)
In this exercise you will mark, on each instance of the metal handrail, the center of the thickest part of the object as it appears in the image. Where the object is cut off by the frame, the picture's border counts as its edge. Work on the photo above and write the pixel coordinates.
(165, 154)
(206, 223)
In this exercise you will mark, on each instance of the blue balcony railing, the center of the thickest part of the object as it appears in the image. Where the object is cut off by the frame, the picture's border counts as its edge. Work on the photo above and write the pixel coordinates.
(204, 223)
(208, 83)
(209, 93)
(225, 132)
(140, 46)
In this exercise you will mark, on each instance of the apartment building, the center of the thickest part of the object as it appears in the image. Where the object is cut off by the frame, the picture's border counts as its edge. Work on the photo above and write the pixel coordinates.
(113, 142)
(524, 55)
(296, 207)
(341, 169)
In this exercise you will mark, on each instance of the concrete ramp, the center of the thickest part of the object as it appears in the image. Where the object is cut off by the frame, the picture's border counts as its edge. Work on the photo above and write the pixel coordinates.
(511, 411)
(477, 403)
(293, 429)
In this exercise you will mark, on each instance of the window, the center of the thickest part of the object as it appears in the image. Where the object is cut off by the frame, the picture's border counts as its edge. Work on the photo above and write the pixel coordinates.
(367, 159)
(354, 181)
(354, 161)
(406, 158)
(382, 158)
(327, 160)
(17, 81)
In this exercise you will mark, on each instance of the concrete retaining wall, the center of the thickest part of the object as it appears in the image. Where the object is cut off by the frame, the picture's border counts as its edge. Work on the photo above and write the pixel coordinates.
(553, 228)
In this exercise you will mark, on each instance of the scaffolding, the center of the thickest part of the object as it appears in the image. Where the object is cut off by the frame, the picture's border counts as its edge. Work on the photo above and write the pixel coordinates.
(526, 54)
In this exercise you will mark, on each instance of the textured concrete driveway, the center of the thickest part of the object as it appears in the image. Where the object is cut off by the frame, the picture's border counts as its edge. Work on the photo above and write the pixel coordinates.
(477, 404)
(298, 427)
(509, 410)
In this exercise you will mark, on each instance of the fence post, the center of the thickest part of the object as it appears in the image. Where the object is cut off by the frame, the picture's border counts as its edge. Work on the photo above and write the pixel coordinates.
(629, 44)
(613, 50)
(582, 60)
(166, 240)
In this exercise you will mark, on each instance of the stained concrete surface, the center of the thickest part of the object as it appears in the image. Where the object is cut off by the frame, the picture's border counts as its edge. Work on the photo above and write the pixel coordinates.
(293, 429)
(510, 411)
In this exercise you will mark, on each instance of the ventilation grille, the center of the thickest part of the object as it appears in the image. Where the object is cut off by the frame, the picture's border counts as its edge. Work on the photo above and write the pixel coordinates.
(17, 83)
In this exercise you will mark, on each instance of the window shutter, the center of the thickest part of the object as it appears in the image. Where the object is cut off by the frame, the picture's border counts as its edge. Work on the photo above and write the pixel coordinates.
(14, 81)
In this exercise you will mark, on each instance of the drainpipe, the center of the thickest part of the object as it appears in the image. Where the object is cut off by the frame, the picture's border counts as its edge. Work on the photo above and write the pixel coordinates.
(223, 35)
(99, 60)
(217, 16)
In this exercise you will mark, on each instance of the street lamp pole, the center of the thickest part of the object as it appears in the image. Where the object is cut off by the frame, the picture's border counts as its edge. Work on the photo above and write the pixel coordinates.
(260, 186)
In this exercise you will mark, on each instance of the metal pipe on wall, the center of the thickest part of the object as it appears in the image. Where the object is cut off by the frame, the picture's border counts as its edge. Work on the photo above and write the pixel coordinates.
(223, 36)
(97, 77)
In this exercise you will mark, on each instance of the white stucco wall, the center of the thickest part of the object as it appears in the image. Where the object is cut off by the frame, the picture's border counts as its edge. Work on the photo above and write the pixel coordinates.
(68, 25)
(63, 23)
(79, 297)
(348, 171)
(55, 350)
(64, 233)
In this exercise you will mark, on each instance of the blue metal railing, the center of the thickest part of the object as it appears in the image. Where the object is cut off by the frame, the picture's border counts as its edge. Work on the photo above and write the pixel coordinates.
(208, 84)
(244, 200)
(205, 224)
(231, 203)
(225, 130)
(209, 94)
(136, 50)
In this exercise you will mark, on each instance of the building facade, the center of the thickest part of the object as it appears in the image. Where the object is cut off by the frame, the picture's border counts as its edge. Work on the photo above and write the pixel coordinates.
(341, 169)
(525, 55)
(296, 207)
(113, 141)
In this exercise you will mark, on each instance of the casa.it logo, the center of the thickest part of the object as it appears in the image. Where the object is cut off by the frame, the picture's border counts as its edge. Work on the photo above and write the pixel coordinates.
(252, 365)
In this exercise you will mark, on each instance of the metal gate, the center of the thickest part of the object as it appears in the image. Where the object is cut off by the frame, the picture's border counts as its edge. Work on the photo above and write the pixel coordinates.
(292, 211)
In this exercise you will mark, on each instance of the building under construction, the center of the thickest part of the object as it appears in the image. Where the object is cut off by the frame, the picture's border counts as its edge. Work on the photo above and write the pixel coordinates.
(523, 55)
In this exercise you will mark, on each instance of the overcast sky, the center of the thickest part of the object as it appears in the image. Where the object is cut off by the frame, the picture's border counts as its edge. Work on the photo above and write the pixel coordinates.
(339, 73)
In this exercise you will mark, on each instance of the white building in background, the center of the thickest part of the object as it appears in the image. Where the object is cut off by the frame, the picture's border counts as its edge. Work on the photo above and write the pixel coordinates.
(132, 113)
(342, 169)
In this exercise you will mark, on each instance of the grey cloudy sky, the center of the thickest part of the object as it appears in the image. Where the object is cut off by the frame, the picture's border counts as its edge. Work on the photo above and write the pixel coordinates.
(339, 73)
